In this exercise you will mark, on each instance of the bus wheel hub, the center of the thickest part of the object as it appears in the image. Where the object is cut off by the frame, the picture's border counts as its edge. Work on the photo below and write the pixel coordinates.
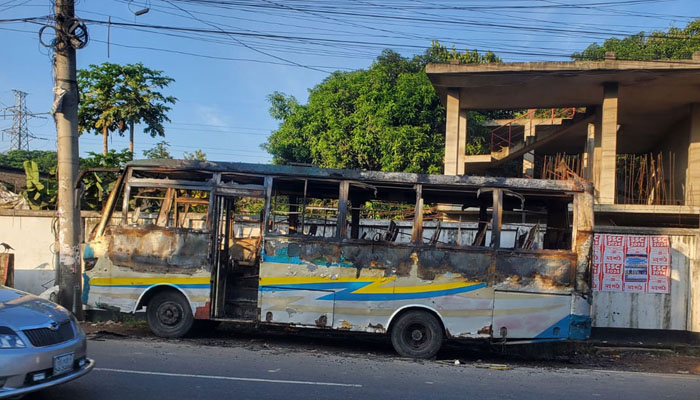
(416, 335)
(169, 314)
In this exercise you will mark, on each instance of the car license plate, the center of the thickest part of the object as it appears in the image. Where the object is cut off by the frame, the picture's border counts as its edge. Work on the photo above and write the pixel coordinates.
(62, 364)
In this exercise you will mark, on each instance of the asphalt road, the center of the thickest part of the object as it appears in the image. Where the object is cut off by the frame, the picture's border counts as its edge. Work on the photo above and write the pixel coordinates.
(166, 370)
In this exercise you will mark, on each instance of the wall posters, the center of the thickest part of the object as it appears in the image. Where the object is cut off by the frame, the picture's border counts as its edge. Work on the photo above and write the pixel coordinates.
(631, 263)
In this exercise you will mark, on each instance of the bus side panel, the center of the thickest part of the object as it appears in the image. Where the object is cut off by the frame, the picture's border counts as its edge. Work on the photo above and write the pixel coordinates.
(531, 315)
(371, 282)
(465, 315)
(131, 260)
(534, 292)
(453, 283)
(326, 284)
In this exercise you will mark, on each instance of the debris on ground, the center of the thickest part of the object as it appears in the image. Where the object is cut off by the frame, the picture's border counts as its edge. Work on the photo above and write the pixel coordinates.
(500, 367)
(679, 359)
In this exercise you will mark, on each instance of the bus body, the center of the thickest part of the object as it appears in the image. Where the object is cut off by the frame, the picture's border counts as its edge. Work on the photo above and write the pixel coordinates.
(420, 257)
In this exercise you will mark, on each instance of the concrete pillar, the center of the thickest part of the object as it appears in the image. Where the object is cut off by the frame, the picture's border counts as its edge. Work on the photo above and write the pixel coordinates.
(462, 142)
(597, 152)
(452, 133)
(589, 149)
(608, 144)
(692, 176)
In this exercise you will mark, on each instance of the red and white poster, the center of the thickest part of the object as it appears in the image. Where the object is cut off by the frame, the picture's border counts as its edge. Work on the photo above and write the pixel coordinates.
(631, 263)
(659, 265)
(613, 259)
(611, 278)
(597, 258)
(613, 249)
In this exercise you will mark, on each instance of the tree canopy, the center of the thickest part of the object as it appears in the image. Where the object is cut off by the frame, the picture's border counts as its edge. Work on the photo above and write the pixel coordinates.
(674, 44)
(45, 160)
(387, 117)
(197, 155)
(113, 98)
(159, 151)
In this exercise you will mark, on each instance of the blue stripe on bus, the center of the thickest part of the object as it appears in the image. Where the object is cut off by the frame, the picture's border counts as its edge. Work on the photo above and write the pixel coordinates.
(348, 289)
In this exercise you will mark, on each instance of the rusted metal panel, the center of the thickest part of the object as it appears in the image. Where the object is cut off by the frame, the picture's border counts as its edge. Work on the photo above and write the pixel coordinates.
(119, 283)
(583, 227)
(417, 233)
(341, 230)
(169, 183)
(340, 174)
(154, 249)
(164, 212)
(497, 218)
(392, 258)
(544, 271)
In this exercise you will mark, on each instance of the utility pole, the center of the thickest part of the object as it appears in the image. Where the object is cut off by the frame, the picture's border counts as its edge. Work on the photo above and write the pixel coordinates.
(66, 116)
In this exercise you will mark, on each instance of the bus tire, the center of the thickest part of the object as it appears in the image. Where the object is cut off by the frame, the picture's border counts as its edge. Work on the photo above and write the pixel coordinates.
(169, 314)
(417, 334)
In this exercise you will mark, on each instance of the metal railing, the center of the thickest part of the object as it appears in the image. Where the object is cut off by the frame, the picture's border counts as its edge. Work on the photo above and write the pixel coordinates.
(501, 139)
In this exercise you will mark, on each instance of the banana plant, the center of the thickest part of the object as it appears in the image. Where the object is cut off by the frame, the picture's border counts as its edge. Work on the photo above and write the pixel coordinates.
(39, 195)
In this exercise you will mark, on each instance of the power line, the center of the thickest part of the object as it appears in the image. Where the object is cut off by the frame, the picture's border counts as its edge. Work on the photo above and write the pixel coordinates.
(244, 44)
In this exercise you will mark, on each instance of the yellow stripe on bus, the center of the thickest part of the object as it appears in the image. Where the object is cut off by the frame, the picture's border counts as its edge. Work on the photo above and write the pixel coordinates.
(433, 287)
(299, 280)
(150, 281)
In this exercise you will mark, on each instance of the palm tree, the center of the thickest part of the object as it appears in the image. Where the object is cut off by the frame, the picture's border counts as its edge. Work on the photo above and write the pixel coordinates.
(116, 97)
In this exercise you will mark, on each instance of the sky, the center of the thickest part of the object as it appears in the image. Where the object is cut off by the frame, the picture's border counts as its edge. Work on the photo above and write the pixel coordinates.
(227, 56)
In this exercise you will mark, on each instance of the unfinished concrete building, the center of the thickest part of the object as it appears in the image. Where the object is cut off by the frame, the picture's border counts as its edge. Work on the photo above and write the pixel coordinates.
(630, 127)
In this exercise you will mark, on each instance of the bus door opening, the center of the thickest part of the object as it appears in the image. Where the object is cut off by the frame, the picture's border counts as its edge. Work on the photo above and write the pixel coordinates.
(237, 251)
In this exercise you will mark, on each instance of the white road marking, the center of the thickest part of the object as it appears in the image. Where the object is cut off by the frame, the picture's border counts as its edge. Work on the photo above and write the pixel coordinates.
(226, 378)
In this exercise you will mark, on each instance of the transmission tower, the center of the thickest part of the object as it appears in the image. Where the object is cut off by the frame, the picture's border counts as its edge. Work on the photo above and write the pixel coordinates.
(19, 132)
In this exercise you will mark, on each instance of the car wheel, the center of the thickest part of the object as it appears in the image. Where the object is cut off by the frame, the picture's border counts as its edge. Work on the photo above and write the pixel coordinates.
(169, 314)
(417, 334)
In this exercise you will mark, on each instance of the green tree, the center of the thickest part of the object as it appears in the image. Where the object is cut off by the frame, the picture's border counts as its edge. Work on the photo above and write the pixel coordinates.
(116, 97)
(674, 44)
(387, 117)
(45, 160)
(160, 150)
(143, 104)
(438, 53)
(197, 155)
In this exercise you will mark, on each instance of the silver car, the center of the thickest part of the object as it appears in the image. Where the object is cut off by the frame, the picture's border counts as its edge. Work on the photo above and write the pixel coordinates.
(41, 344)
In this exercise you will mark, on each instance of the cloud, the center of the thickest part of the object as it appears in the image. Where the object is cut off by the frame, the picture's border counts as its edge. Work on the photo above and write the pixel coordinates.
(210, 115)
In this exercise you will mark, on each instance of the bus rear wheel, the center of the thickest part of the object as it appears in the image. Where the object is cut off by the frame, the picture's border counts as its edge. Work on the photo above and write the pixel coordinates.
(417, 334)
(169, 314)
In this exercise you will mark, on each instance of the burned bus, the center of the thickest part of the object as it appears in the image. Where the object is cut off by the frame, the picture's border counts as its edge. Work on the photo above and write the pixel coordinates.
(420, 258)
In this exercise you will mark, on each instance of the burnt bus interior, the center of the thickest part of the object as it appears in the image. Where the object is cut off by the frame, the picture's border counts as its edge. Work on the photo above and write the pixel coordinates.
(231, 209)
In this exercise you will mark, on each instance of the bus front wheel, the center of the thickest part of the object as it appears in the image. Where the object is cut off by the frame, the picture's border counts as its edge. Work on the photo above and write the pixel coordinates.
(169, 314)
(417, 334)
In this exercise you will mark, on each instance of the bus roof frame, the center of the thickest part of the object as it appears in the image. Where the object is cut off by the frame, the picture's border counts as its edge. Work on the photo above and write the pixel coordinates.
(573, 185)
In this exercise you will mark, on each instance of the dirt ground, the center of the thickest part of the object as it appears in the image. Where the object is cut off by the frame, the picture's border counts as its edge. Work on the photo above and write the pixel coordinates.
(586, 355)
